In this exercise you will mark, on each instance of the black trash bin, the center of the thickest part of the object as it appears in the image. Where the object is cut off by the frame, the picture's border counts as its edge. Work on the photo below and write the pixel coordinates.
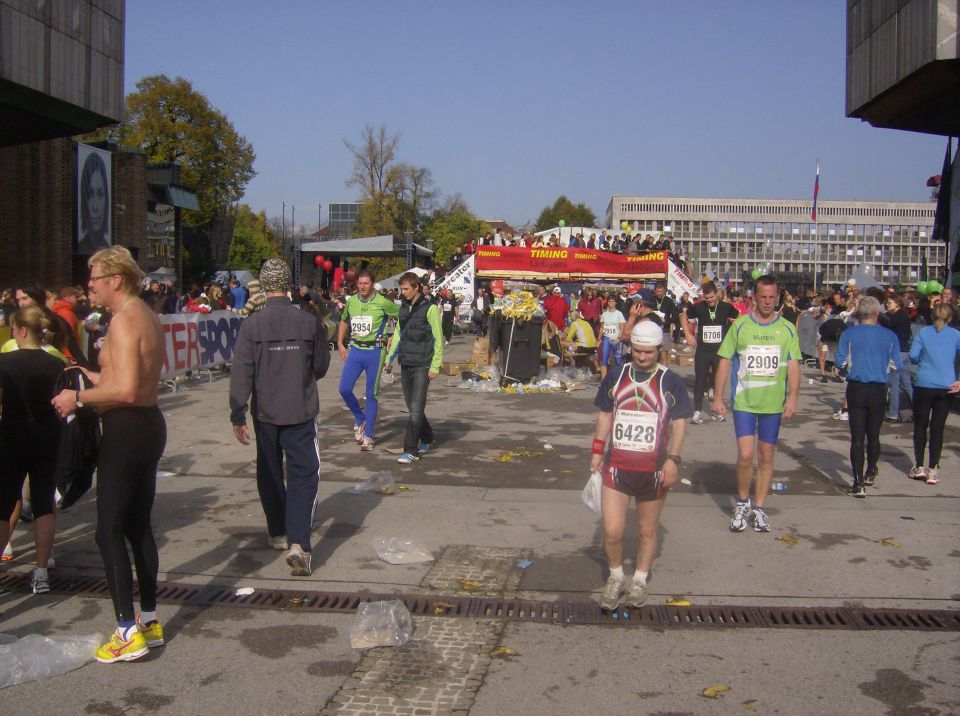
(519, 343)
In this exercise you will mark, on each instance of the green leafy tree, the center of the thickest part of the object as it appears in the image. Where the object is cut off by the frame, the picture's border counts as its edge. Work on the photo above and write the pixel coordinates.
(252, 240)
(563, 208)
(170, 121)
(451, 227)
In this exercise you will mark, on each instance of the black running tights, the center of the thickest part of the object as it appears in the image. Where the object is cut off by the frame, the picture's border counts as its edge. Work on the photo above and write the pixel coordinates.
(133, 441)
(705, 372)
(866, 403)
(930, 409)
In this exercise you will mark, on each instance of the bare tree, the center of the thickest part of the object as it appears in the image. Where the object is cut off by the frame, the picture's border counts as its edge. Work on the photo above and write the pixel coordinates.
(373, 159)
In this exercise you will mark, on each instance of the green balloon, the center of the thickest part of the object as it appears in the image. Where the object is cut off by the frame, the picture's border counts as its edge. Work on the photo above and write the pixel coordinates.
(756, 273)
(934, 286)
(563, 223)
(923, 288)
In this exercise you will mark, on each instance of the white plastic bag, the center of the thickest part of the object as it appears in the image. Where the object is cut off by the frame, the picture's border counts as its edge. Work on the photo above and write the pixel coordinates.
(36, 657)
(381, 482)
(399, 551)
(381, 624)
(590, 495)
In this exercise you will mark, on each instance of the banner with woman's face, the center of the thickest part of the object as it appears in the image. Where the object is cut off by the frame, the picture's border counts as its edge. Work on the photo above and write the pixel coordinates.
(93, 199)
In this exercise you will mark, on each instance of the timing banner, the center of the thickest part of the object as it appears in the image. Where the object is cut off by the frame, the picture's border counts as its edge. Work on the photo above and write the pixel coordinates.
(566, 263)
(195, 341)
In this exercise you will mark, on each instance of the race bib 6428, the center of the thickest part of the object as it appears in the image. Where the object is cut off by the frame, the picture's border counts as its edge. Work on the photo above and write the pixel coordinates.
(635, 430)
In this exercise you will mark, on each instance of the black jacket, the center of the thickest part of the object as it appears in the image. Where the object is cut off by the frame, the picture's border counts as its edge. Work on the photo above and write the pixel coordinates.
(280, 354)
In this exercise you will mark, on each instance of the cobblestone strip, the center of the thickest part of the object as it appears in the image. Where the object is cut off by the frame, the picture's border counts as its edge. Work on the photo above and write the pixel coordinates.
(437, 672)
(495, 568)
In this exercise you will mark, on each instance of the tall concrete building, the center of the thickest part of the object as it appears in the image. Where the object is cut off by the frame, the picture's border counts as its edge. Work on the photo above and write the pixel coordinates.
(903, 64)
(61, 68)
(734, 236)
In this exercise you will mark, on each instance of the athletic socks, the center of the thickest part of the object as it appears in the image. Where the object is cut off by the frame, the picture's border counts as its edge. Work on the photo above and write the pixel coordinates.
(146, 617)
(640, 577)
(617, 572)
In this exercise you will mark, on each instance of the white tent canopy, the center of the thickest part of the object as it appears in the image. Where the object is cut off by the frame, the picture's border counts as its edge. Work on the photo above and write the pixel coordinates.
(394, 281)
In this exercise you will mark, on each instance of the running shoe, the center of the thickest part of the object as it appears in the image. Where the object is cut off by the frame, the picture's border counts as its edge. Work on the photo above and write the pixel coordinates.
(697, 418)
(39, 582)
(740, 514)
(279, 543)
(636, 595)
(933, 475)
(298, 561)
(917, 472)
(841, 415)
(7, 553)
(131, 648)
(858, 490)
(612, 591)
(823, 379)
(152, 633)
(366, 444)
(423, 449)
(407, 458)
(358, 431)
(760, 523)
(717, 418)
(870, 477)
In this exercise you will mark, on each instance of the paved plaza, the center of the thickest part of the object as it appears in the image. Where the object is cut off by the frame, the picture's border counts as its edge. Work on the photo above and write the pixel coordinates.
(497, 503)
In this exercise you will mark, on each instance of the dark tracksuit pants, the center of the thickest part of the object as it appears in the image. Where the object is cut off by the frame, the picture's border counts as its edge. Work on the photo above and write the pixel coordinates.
(415, 382)
(288, 507)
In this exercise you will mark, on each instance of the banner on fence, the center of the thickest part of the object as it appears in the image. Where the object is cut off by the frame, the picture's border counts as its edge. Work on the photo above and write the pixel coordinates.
(196, 341)
(565, 263)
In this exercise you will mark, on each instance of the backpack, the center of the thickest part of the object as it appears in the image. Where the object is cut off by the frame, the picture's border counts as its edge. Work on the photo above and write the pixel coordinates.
(831, 329)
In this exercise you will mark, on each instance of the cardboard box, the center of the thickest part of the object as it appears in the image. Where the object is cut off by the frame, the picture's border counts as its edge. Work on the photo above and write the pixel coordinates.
(455, 368)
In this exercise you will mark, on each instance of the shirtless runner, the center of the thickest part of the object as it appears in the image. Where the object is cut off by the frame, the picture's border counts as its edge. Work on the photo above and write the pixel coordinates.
(134, 435)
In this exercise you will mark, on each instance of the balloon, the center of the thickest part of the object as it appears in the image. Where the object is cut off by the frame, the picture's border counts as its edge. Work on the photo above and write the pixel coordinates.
(923, 288)
(318, 260)
(562, 223)
(350, 274)
(327, 265)
(934, 286)
(756, 273)
(624, 225)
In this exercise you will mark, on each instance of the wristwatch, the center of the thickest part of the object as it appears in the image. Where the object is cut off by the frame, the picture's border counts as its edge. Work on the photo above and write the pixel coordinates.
(79, 402)
(677, 460)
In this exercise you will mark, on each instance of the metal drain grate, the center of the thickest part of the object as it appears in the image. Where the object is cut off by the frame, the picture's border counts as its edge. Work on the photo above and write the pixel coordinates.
(860, 618)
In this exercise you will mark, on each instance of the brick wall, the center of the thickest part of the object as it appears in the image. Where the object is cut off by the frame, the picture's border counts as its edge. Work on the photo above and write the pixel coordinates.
(37, 211)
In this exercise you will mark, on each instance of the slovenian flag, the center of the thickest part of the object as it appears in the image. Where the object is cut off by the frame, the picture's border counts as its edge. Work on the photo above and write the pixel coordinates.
(816, 192)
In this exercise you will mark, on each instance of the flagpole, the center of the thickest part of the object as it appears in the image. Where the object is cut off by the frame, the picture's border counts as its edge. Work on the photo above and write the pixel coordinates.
(816, 229)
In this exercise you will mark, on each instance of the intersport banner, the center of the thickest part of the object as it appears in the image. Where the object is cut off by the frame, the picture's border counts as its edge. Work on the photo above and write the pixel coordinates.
(194, 341)
(566, 263)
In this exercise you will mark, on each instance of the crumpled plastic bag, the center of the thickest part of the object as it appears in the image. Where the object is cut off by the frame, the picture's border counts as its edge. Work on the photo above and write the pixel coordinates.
(590, 495)
(36, 657)
(381, 624)
(393, 550)
(381, 482)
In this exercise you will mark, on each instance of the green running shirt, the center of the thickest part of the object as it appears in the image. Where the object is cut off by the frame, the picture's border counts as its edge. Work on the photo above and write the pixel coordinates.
(366, 318)
(760, 353)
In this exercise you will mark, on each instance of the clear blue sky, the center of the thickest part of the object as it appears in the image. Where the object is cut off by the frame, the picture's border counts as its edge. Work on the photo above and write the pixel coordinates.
(514, 103)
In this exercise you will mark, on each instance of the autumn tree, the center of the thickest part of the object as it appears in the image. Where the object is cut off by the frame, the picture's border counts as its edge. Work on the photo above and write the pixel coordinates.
(172, 122)
(451, 226)
(253, 240)
(563, 208)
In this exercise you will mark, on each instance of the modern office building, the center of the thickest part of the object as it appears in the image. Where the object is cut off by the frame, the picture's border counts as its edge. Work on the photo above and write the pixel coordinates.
(734, 236)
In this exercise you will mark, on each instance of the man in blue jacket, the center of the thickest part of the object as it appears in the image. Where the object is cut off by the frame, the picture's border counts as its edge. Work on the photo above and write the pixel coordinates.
(280, 354)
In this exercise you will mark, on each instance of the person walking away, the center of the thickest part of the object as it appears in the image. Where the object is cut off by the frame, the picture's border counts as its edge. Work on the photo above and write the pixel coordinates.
(29, 434)
(762, 352)
(637, 441)
(280, 354)
(133, 438)
(666, 310)
(900, 381)
(866, 351)
(449, 307)
(365, 314)
(705, 324)
(417, 345)
(934, 352)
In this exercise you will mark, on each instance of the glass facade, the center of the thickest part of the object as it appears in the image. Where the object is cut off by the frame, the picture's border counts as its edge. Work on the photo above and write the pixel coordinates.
(735, 236)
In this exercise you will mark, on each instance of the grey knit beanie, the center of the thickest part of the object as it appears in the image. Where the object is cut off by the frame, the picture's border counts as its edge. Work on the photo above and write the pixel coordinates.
(274, 276)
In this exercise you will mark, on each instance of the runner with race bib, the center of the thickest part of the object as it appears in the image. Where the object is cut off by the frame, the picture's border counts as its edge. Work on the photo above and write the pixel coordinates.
(611, 324)
(365, 314)
(710, 318)
(636, 447)
(763, 352)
